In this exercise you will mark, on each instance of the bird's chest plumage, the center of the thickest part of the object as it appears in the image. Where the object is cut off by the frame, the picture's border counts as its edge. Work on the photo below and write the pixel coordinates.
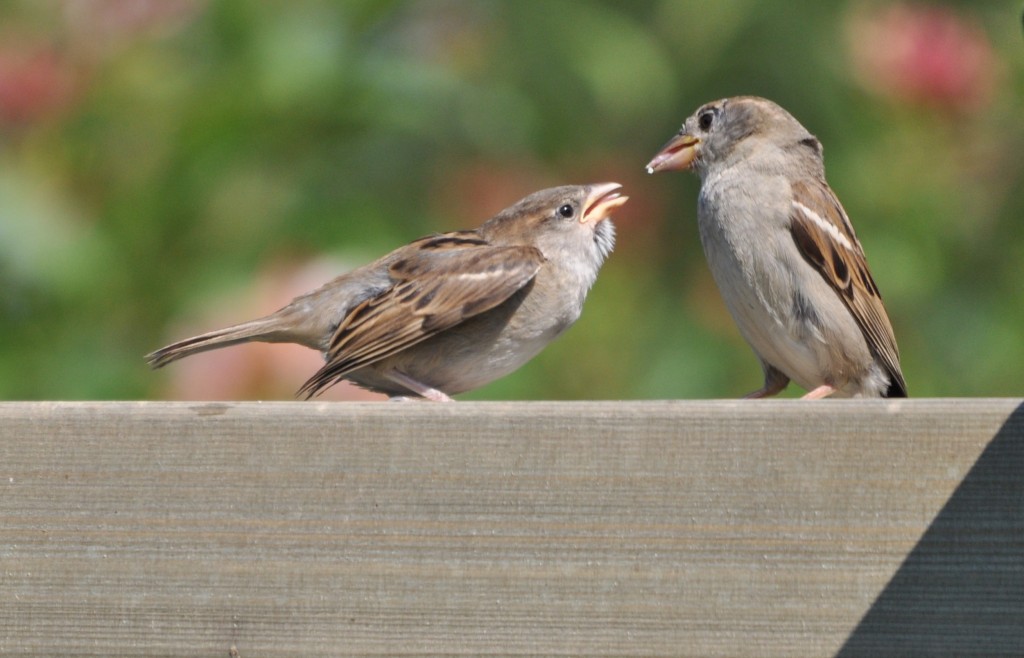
(742, 231)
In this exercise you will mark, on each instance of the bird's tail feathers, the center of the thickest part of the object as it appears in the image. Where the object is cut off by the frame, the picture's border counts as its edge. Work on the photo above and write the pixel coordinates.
(269, 329)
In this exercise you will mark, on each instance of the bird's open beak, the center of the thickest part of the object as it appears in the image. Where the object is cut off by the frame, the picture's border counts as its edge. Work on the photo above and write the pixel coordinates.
(602, 200)
(679, 153)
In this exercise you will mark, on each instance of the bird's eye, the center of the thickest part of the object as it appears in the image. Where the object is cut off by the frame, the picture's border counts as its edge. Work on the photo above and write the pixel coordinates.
(706, 119)
(567, 211)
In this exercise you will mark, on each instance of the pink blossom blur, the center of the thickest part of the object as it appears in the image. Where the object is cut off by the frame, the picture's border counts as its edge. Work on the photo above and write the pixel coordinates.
(923, 55)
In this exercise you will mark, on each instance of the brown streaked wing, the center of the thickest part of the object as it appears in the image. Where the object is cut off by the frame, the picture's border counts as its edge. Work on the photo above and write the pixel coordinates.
(825, 237)
(447, 280)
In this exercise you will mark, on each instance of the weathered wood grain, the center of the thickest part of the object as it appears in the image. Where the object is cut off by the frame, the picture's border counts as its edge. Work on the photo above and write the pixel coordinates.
(609, 529)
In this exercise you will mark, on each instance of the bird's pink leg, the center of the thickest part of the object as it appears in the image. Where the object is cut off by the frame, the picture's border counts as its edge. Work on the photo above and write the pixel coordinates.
(822, 391)
(417, 387)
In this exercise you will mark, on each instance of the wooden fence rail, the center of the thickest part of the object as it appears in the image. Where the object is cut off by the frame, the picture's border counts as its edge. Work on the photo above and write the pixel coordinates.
(849, 528)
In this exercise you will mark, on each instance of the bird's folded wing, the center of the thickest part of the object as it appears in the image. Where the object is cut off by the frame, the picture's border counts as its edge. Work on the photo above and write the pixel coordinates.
(439, 282)
(825, 238)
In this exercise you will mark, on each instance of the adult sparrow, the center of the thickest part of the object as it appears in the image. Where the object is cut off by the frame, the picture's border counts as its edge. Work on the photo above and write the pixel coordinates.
(783, 252)
(451, 312)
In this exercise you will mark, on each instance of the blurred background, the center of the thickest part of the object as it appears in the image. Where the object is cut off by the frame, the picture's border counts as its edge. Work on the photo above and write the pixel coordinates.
(172, 166)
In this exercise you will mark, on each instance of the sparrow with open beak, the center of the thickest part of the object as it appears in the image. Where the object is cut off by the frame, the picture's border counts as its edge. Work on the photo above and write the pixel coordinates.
(783, 252)
(447, 313)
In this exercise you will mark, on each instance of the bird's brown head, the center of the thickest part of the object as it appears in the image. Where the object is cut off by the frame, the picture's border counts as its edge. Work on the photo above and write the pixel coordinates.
(560, 218)
(722, 129)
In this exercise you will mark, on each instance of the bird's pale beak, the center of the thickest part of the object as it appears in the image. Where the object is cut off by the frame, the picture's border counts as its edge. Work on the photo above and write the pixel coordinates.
(679, 153)
(602, 200)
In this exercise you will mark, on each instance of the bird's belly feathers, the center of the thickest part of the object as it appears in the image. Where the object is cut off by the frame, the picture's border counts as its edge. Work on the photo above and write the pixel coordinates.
(759, 308)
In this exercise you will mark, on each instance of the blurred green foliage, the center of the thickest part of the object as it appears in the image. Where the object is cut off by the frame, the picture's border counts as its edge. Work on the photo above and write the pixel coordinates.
(157, 158)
